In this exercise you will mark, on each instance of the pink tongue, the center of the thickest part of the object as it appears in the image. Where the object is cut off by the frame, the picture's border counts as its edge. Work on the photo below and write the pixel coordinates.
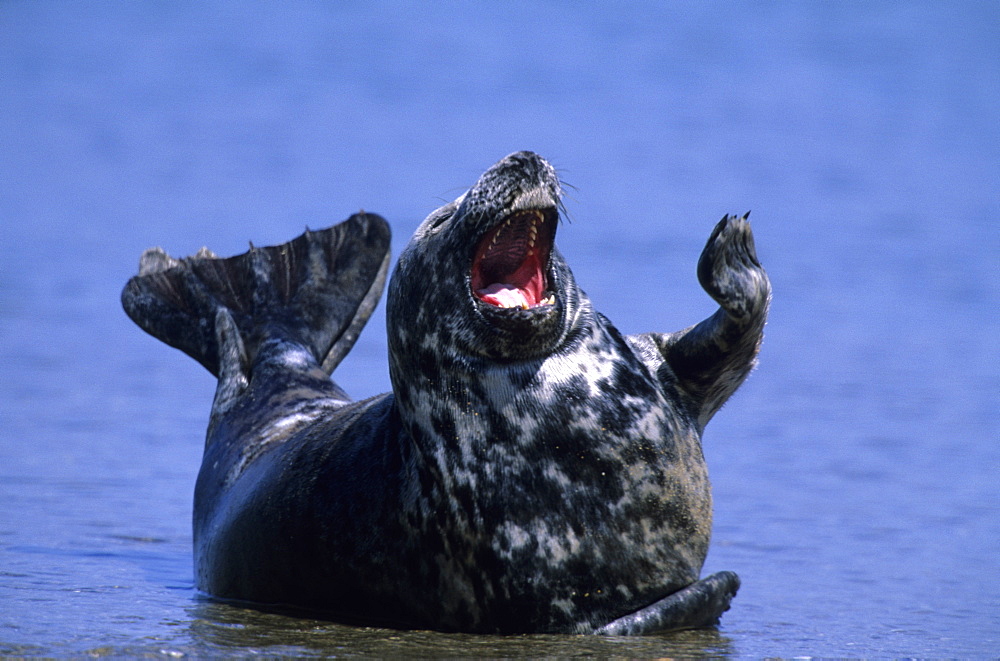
(504, 296)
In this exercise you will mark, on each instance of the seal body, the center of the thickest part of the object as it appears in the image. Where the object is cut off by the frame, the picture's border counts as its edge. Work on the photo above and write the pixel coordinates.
(533, 470)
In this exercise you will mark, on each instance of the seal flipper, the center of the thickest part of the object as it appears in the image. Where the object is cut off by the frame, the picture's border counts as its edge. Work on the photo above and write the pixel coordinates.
(318, 289)
(700, 604)
(711, 359)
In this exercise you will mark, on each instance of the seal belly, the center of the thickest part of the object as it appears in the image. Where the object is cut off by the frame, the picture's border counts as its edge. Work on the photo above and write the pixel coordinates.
(576, 493)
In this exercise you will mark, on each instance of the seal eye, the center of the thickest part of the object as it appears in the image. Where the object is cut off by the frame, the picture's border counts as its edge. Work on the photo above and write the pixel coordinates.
(439, 218)
(508, 269)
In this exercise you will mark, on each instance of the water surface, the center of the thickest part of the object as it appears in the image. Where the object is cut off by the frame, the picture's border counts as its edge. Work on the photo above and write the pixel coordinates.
(855, 474)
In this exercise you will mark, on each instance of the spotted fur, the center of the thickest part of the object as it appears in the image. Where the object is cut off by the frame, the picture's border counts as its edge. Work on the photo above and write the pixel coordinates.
(533, 469)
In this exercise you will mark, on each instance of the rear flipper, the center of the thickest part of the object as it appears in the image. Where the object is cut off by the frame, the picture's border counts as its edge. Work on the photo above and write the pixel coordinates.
(315, 292)
(698, 605)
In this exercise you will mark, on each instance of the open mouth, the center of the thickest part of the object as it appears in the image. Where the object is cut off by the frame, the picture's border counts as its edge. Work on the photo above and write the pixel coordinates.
(509, 267)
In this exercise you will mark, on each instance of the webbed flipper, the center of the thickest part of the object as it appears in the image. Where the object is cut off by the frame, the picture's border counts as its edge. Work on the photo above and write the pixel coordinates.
(711, 359)
(317, 290)
(700, 604)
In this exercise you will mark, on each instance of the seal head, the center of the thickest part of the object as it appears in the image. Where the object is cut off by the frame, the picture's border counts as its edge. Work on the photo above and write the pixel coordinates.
(483, 274)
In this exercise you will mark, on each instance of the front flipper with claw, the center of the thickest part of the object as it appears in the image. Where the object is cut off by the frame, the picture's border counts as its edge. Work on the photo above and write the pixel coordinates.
(700, 604)
(729, 271)
(711, 359)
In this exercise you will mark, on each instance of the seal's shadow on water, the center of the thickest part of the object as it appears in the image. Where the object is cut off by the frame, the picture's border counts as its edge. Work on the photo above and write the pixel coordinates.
(231, 629)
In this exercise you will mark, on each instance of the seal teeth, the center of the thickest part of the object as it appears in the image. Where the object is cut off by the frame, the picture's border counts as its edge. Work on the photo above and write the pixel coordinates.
(508, 266)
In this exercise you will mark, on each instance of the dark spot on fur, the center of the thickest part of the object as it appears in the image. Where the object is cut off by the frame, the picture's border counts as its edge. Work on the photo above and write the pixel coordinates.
(522, 377)
(574, 391)
(426, 363)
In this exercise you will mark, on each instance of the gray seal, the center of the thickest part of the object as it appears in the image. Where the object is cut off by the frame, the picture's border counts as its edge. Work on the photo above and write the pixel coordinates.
(532, 470)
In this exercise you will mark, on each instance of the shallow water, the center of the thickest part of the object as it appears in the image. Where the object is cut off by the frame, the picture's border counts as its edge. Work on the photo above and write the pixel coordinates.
(855, 474)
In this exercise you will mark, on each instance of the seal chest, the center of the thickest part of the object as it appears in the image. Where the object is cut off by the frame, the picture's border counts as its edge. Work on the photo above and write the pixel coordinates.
(533, 469)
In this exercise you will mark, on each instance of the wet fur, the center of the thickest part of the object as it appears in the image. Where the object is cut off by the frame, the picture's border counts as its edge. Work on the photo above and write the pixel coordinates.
(533, 472)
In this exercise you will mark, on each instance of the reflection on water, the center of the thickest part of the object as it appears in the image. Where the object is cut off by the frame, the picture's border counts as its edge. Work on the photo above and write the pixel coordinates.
(855, 473)
(223, 628)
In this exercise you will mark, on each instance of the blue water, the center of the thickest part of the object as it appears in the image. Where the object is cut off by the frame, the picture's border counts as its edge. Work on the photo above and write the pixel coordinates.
(856, 474)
